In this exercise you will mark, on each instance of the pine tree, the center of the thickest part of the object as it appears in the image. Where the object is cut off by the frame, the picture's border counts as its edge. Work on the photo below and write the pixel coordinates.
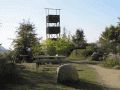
(26, 39)
(78, 39)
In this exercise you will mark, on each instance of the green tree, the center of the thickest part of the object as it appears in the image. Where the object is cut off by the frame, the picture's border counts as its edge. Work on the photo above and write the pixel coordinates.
(25, 40)
(64, 46)
(110, 33)
(61, 46)
(110, 38)
(38, 50)
(78, 39)
(49, 47)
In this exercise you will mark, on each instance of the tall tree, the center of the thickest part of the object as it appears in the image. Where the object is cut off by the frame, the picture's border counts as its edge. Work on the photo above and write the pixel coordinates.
(111, 33)
(26, 39)
(110, 38)
(78, 39)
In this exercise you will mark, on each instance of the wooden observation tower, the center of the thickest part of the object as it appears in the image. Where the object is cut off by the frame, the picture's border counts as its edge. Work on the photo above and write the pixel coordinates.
(52, 23)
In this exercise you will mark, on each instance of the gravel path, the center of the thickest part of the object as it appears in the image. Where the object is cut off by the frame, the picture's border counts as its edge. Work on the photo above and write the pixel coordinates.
(108, 77)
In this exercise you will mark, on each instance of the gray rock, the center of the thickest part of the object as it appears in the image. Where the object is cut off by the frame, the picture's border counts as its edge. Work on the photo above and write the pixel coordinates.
(67, 73)
(116, 67)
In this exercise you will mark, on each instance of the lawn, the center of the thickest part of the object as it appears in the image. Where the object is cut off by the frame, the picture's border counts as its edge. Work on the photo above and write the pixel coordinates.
(44, 78)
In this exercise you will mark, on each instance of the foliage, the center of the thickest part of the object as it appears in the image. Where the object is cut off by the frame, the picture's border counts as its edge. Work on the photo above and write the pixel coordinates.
(49, 47)
(26, 39)
(64, 46)
(110, 33)
(78, 39)
(37, 49)
(90, 49)
(79, 55)
(110, 39)
(60, 46)
(111, 62)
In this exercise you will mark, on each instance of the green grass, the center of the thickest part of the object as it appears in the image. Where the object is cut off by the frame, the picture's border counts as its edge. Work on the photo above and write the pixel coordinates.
(44, 78)
(86, 73)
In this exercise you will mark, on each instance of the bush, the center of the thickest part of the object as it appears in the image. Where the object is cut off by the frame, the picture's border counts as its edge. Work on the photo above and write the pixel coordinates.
(87, 52)
(59, 46)
(111, 62)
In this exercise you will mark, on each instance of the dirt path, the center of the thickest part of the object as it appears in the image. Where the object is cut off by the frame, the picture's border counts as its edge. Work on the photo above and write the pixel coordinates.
(108, 77)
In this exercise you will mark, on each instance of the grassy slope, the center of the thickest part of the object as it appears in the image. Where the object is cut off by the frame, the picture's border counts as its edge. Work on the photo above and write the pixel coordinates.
(44, 78)
(78, 56)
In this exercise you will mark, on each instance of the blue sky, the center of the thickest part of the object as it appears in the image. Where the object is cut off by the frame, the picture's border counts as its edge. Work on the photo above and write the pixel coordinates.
(91, 15)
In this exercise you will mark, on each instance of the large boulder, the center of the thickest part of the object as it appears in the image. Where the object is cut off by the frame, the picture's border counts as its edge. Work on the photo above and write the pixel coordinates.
(67, 73)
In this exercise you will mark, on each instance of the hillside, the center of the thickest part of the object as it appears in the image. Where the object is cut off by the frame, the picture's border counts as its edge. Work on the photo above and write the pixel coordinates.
(77, 55)
(2, 49)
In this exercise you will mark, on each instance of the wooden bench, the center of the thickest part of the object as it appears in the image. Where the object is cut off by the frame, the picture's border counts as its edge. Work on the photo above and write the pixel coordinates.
(48, 59)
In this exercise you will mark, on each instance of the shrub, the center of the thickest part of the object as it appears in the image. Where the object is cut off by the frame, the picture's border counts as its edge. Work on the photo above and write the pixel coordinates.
(59, 46)
(111, 62)
(87, 52)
